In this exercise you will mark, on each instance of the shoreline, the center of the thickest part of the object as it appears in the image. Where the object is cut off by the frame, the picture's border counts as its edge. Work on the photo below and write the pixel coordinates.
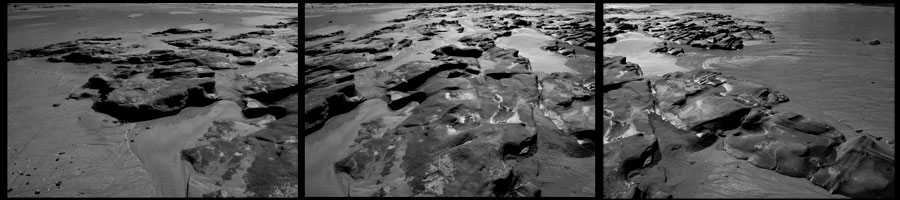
(828, 73)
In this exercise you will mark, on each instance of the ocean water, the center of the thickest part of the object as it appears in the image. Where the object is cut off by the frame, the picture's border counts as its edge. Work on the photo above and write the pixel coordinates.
(813, 61)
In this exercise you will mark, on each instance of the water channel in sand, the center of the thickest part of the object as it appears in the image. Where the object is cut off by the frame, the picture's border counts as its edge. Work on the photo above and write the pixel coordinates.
(528, 42)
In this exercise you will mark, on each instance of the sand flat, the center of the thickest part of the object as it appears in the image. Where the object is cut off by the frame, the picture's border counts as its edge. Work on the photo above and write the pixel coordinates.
(528, 42)
(92, 153)
(636, 48)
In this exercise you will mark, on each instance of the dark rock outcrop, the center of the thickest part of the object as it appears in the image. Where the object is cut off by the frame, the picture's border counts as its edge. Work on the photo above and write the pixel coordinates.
(409, 76)
(138, 100)
(673, 108)
(873, 42)
(788, 143)
(864, 168)
(383, 57)
(453, 50)
(188, 42)
(403, 44)
(268, 87)
(324, 103)
(617, 71)
(181, 31)
(81, 50)
(170, 72)
(267, 52)
(246, 61)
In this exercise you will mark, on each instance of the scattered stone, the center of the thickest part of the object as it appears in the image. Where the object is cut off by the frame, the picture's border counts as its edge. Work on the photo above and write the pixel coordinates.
(873, 42)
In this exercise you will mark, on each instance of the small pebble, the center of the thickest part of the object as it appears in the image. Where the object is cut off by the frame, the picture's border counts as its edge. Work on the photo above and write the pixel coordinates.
(37, 192)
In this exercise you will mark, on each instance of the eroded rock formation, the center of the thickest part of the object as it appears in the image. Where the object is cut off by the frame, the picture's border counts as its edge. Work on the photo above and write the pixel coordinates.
(667, 117)
(238, 157)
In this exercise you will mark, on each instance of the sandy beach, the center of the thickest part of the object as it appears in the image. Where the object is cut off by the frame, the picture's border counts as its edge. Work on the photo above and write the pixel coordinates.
(835, 63)
(69, 149)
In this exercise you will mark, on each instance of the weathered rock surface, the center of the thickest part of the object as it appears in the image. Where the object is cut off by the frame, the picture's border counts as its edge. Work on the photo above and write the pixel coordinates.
(268, 87)
(324, 103)
(697, 29)
(788, 143)
(688, 109)
(458, 113)
(409, 76)
(705, 100)
(134, 100)
(617, 71)
(262, 163)
(82, 50)
(864, 168)
(457, 129)
(255, 157)
(403, 44)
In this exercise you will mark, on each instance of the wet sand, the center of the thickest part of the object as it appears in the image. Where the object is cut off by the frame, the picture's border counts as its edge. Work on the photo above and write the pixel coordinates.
(335, 137)
(528, 42)
(160, 146)
(95, 160)
(636, 49)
